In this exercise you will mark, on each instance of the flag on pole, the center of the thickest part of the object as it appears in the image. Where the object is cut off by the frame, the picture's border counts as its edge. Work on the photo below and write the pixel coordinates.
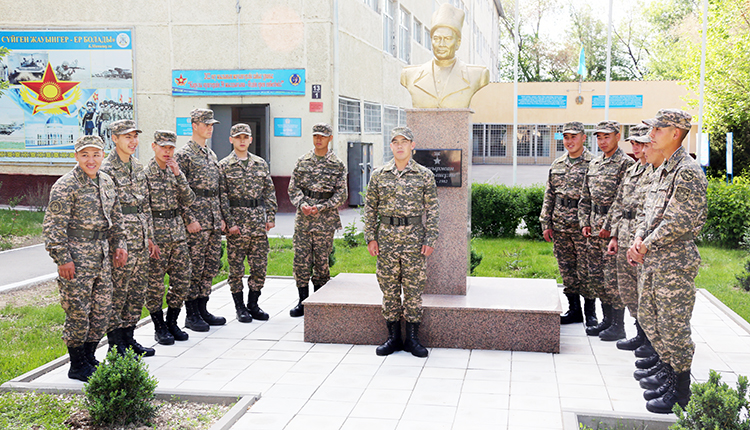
(582, 62)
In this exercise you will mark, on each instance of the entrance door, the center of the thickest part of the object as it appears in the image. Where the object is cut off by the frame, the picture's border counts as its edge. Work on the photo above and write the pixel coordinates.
(256, 116)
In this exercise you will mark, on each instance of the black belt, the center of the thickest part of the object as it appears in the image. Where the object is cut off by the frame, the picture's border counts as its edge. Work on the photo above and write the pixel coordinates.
(316, 194)
(628, 214)
(168, 214)
(567, 202)
(412, 220)
(205, 193)
(601, 210)
(130, 210)
(87, 234)
(245, 203)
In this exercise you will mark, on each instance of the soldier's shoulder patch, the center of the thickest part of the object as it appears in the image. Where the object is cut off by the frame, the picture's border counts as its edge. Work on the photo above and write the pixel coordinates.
(687, 175)
(55, 206)
(682, 194)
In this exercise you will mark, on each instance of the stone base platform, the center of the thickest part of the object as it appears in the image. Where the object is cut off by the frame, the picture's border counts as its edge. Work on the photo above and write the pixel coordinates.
(496, 313)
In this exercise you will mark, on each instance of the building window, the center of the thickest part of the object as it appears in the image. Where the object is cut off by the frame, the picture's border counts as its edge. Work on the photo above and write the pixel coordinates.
(349, 116)
(427, 39)
(373, 123)
(404, 39)
(417, 31)
(390, 121)
(389, 28)
(372, 3)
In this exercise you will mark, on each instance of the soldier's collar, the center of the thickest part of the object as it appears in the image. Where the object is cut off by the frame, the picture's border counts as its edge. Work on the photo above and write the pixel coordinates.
(82, 177)
(674, 159)
(235, 159)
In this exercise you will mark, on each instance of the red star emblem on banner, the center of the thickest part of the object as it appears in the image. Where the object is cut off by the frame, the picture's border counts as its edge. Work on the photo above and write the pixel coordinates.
(49, 89)
(181, 80)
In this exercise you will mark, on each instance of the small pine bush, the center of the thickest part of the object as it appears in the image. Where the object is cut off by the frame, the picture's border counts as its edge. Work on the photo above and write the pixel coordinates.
(715, 405)
(121, 391)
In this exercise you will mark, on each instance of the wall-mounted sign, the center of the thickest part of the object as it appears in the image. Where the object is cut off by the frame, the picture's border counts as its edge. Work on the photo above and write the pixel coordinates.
(287, 127)
(542, 102)
(618, 102)
(316, 91)
(444, 163)
(184, 126)
(62, 84)
(316, 106)
(255, 82)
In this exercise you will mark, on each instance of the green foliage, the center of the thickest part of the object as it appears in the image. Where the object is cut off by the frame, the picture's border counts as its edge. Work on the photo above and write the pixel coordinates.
(21, 411)
(728, 206)
(714, 405)
(121, 390)
(475, 259)
(496, 210)
(352, 237)
(534, 199)
(332, 256)
(3, 84)
(744, 279)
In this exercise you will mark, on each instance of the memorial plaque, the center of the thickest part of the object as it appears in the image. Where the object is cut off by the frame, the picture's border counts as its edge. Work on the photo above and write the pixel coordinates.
(444, 163)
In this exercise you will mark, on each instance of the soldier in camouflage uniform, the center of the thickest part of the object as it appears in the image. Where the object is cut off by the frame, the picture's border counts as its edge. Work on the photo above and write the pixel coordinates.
(317, 189)
(598, 193)
(130, 281)
(169, 191)
(82, 224)
(559, 218)
(202, 219)
(398, 195)
(248, 203)
(673, 214)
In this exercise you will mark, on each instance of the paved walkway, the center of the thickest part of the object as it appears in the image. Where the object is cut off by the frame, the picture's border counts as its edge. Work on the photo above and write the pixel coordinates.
(325, 386)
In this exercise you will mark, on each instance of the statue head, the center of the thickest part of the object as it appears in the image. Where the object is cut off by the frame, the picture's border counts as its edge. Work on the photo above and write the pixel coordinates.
(447, 22)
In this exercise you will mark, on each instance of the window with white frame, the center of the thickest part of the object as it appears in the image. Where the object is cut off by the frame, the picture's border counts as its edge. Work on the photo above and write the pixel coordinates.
(349, 116)
(389, 27)
(372, 3)
(427, 39)
(390, 121)
(417, 31)
(404, 39)
(373, 124)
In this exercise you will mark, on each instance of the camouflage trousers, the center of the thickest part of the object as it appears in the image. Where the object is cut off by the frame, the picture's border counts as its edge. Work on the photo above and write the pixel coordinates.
(129, 290)
(255, 248)
(87, 298)
(603, 273)
(311, 251)
(571, 254)
(400, 269)
(205, 262)
(174, 259)
(627, 280)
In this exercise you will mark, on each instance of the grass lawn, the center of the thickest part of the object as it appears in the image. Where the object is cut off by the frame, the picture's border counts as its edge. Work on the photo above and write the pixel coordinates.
(15, 223)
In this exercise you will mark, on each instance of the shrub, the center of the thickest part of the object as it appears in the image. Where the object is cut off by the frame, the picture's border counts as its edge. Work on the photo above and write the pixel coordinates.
(121, 390)
(475, 259)
(744, 279)
(352, 236)
(714, 406)
(535, 199)
(728, 206)
(496, 210)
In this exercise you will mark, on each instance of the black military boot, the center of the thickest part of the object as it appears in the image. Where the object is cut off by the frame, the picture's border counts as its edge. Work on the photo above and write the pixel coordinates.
(645, 363)
(678, 393)
(243, 315)
(79, 367)
(658, 392)
(252, 306)
(116, 340)
(318, 285)
(616, 329)
(645, 350)
(173, 327)
(393, 343)
(589, 311)
(633, 343)
(193, 319)
(299, 310)
(639, 374)
(411, 343)
(606, 322)
(207, 316)
(137, 347)
(574, 314)
(657, 379)
(161, 334)
(89, 349)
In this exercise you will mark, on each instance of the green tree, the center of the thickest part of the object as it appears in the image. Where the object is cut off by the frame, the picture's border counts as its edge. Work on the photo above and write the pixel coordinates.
(3, 84)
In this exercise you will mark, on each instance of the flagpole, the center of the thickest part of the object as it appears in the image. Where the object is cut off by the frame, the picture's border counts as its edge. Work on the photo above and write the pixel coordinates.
(515, 100)
(609, 63)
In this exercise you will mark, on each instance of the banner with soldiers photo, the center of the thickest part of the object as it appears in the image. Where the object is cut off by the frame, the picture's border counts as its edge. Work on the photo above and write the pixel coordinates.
(62, 84)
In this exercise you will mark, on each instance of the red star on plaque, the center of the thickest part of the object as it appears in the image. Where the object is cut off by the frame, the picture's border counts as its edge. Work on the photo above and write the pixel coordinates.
(181, 80)
(49, 89)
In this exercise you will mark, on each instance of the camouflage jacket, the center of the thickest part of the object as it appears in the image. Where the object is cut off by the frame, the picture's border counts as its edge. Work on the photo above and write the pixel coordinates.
(409, 193)
(247, 183)
(132, 191)
(201, 168)
(629, 201)
(564, 182)
(674, 212)
(76, 202)
(168, 192)
(600, 188)
(326, 176)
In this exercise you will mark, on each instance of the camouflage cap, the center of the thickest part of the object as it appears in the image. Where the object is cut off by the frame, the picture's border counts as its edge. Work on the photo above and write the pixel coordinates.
(607, 127)
(165, 138)
(402, 131)
(322, 129)
(239, 129)
(205, 116)
(89, 142)
(639, 133)
(573, 127)
(124, 126)
(670, 118)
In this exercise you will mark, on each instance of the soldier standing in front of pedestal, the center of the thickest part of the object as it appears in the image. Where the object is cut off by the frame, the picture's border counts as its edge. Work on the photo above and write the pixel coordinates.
(248, 202)
(398, 195)
(83, 222)
(202, 219)
(598, 193)
(169, 191)
(673, 214)
(317, 189)
(559, 218)
(130, 281)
